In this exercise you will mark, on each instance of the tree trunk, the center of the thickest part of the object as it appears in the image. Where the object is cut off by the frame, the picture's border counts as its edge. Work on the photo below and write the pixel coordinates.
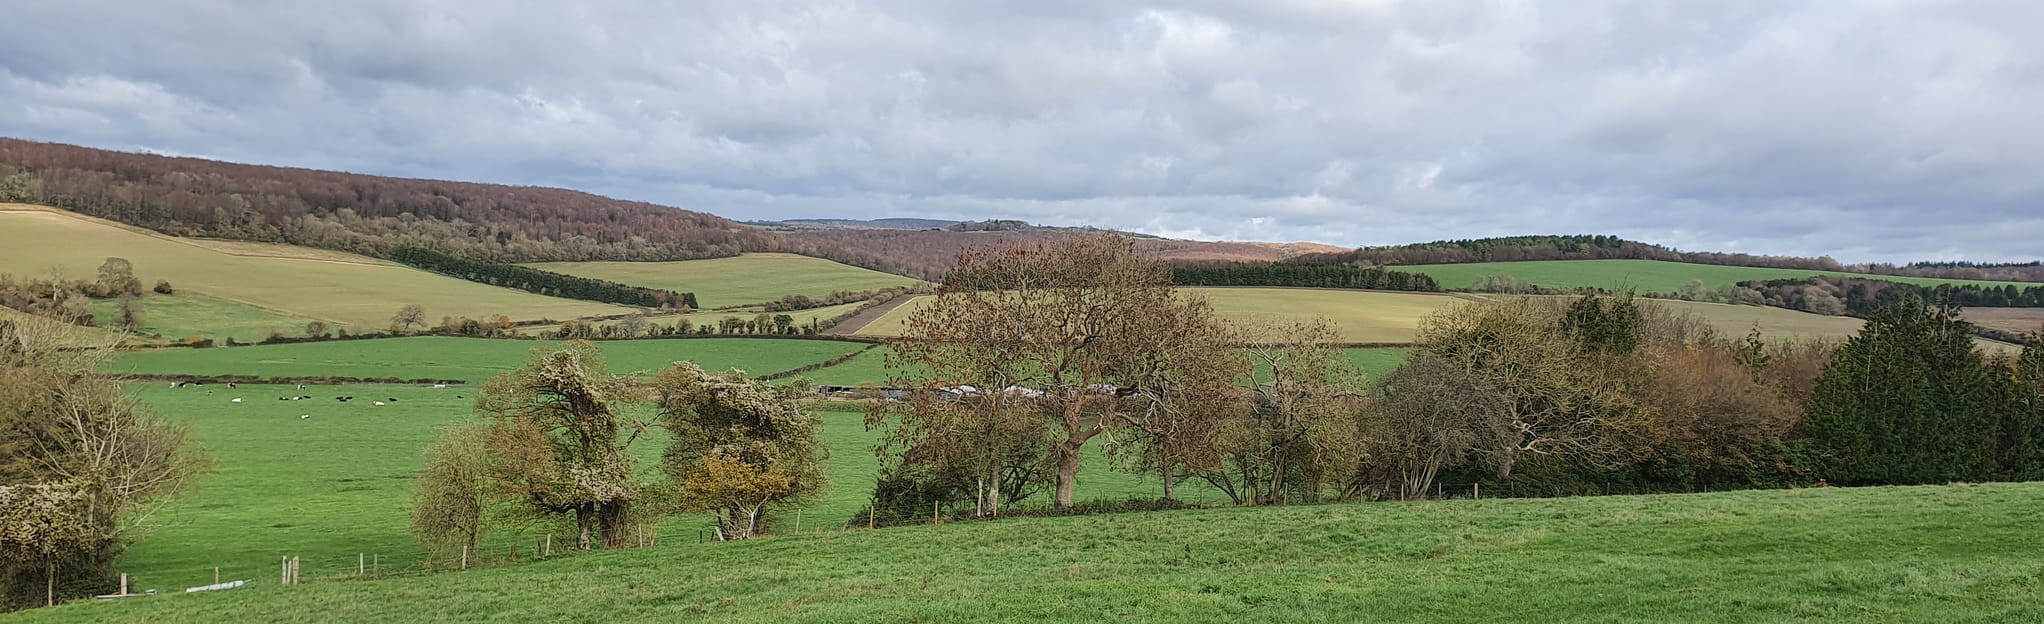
(611, 522)
(585, 523)
(1067, 473)
(1168, 483)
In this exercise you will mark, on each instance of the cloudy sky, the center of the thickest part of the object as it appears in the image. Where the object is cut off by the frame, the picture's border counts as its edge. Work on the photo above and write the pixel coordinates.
(1873, 130)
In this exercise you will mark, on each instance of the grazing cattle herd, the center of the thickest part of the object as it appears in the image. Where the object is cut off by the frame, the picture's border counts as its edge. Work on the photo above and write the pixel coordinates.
(305, 397)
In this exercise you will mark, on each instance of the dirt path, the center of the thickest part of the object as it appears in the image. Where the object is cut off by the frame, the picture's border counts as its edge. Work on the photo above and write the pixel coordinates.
(858, 322)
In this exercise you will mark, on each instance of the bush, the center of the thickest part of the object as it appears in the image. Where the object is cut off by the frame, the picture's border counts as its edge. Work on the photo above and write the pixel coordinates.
(163, 288)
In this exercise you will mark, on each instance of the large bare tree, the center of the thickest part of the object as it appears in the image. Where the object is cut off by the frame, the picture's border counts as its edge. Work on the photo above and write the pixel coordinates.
(1047, 339)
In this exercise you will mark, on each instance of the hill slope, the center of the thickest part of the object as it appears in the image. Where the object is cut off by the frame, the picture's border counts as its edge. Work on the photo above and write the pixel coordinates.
(1915, 554)
(359, 213)
(291, 281)
(746, 279)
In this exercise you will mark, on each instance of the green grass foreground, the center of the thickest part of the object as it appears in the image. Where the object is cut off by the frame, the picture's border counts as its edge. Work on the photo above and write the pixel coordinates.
(1967, 553)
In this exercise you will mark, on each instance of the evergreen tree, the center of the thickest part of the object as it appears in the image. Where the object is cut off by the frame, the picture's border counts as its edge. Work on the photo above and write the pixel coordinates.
(1908, 400)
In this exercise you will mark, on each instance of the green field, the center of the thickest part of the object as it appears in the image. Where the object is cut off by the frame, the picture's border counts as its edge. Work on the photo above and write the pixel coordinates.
(1360, 316)
(337, 484)
(471, 359)
(293, 281)
(869, 368)
(1962, 553)
(1639, 275)
(739, 280)
(187, 314)
(698, 319)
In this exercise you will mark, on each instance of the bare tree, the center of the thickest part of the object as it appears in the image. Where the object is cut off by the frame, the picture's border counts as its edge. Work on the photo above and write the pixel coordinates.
(408, 317)
(1056, 330)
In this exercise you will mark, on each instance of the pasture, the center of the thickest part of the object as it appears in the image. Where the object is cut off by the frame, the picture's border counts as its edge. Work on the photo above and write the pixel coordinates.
(471, 359)
(1887, 554)
(339, 482)
(700, 319)
(1639, 275)
(739, 280)
(869, 368)
(294, 282)
(187, 314)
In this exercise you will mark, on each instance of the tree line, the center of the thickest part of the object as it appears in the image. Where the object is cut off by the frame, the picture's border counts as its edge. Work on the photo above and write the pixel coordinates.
(542, 282)
(1604, 247)
(1289, 274)
(1008, 377)
(552, 446)
(70, 300)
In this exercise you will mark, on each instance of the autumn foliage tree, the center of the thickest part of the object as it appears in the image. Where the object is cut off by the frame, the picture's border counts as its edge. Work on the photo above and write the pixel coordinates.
(451, 509)
(740, 446)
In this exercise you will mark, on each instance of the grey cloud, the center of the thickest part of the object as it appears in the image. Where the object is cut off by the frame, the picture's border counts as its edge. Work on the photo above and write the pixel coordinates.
(1868, 131)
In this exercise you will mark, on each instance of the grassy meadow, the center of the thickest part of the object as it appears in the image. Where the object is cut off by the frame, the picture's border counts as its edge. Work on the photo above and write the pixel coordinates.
(1893, 554)
(739, 280)
(869, 368)
(293, 282)
(187, 314)
(339, 483)
(1638, 275)
(471, 359)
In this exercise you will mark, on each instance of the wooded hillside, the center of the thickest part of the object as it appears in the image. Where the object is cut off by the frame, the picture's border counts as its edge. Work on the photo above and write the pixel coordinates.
(365, 214)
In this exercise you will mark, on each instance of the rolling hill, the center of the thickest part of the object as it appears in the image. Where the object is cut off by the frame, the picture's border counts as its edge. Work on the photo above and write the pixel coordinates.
(287, 282)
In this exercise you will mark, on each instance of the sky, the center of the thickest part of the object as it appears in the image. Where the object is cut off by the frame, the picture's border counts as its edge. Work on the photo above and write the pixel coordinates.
(1874, 130)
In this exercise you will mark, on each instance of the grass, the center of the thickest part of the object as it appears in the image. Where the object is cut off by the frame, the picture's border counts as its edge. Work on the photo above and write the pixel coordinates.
(292, 281)
(1899, 554)
(339, 483)
(1640, 275)
(176, 317)
(739, 280)
(471, 359)
(699, 319)
(1360, 316)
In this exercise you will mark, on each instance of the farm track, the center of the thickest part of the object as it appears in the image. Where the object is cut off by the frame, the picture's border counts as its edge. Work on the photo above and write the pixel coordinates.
(852, 326)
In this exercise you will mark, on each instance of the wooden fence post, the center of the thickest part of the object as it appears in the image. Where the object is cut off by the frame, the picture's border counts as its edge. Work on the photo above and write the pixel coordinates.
(284, 571)
(361, 565)
(870, 512)
(1478, 489)
(464, 556)
(216, 575)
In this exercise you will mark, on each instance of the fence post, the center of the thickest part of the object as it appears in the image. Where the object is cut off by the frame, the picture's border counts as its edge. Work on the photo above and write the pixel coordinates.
(933, 513)
(284, 571)
(216, 575)
(870, 512)
(376, 566)
(361, 565)
(1478, 489)
(464, 556)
